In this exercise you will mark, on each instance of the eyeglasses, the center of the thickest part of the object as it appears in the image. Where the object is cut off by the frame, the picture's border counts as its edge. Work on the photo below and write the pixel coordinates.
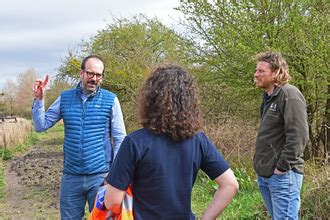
(92, 74)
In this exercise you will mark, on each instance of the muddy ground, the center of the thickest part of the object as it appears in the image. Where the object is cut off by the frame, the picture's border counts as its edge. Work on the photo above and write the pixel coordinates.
(33, 182)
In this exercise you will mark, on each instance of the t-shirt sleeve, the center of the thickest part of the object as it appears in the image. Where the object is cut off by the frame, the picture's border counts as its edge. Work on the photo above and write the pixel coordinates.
(213, 163)
(122, 169)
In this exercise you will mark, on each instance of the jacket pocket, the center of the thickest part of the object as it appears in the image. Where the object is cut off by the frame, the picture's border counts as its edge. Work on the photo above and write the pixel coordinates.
(264, 159)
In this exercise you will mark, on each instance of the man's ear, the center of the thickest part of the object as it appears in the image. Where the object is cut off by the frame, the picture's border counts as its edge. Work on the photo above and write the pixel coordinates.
(81, 74)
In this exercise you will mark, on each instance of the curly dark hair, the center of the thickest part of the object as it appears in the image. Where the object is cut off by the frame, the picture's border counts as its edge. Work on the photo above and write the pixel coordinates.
(169, 104)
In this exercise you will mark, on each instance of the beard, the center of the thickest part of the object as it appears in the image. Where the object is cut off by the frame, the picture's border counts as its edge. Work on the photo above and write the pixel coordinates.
(90, 86)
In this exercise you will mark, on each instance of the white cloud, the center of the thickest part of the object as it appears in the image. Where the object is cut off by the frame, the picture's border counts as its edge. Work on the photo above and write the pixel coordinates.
(37, 33)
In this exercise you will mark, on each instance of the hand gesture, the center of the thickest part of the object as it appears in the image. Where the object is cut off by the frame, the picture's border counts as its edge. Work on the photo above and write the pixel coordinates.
(39, 88)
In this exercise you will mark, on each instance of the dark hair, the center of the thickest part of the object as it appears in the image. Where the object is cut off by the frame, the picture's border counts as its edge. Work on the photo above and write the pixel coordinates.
(83, 63)
(168, 103)
(277, 64)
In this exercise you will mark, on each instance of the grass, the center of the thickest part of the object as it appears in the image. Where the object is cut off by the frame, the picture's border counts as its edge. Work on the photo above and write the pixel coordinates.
(315, 192)
(12, 151)
(247, 204)
(2, 180)
(16, 150)
(16, 133)
(21, 130)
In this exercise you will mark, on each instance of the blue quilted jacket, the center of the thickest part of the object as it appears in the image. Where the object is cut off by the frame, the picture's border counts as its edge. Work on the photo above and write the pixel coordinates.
(87, 147)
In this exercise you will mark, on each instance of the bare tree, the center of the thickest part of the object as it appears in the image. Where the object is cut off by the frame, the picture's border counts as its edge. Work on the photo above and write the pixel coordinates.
(10, 91)
(24, 93)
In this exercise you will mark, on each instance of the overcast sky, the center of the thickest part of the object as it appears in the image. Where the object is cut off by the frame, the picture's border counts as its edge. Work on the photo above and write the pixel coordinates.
(38, 33)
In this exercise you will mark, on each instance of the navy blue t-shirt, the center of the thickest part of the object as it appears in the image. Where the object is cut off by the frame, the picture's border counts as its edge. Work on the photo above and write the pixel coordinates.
(162, 172)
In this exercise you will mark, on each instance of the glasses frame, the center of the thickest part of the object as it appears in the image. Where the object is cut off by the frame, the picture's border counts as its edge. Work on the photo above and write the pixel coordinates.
(91, 75)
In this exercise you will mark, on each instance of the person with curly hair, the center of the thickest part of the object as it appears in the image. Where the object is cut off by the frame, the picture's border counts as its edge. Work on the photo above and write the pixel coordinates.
(161, 160)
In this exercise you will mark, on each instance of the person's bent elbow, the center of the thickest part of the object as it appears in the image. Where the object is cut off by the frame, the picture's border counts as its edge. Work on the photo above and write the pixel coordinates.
(228, 179)
(234, 185)
(229, 184)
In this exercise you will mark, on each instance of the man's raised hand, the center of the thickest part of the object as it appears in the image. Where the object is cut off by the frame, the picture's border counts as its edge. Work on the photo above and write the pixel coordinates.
(39, 87)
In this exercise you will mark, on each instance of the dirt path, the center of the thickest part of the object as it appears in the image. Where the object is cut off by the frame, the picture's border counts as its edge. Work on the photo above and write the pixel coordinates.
(33, 181)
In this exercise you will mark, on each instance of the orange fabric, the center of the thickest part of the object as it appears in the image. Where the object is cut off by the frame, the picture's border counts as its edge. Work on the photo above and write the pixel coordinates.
(98, 214)
(123, 212)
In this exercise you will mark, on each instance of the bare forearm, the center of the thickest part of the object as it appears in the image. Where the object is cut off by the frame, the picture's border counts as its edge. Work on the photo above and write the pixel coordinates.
(228, 187)
(222, 197)
(113, 198)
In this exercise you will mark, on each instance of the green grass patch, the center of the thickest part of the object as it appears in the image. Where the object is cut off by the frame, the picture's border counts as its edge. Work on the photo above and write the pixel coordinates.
(55, 132)
(247, 204)
(12, 151)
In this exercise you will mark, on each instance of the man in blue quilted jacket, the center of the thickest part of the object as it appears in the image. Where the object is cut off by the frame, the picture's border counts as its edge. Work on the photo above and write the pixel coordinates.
(92, 118)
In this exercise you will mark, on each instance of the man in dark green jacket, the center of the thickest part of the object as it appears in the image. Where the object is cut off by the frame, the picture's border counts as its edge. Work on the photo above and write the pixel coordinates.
(281, 139)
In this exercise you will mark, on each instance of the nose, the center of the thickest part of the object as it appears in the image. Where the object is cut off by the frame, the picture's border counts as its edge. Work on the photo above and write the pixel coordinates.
(94, 77)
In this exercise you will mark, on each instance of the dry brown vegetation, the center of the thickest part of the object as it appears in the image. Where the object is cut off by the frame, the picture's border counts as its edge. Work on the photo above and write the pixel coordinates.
(234, 138)
(14, 133)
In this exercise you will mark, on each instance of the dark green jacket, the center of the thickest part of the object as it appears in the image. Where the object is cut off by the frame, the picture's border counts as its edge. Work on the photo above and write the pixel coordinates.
(283, 132)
